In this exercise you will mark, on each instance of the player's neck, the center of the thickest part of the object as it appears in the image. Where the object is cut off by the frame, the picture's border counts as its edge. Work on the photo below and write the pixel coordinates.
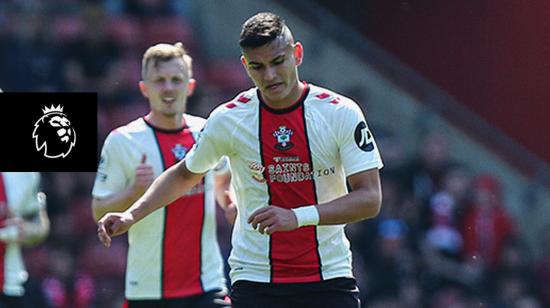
(288, 101)
(165, 122)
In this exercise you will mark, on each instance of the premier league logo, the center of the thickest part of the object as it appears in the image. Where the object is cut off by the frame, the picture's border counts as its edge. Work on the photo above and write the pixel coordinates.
(53, 133)
(283, 138)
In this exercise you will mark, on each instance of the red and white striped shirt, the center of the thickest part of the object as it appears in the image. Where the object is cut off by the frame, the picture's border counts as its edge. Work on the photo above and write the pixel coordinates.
(290, 158)
(18, 197)
(174, 251)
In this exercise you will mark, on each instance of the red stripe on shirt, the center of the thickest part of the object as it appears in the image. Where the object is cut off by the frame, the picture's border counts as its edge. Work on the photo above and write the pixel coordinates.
(3, 216)
(181, 271)
(293, 254)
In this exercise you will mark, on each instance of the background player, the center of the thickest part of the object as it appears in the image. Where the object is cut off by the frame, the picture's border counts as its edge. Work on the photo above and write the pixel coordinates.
(23, 221)
(173, 257)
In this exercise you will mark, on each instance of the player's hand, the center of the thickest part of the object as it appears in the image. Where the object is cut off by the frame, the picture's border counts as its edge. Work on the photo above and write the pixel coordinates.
(144, 175)
(113, 224)
(12, 230)
(272, 218)
(230, 207)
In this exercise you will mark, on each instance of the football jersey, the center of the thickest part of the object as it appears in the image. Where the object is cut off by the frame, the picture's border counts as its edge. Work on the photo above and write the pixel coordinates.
(17, 196)
(290, 158)
(173, 252)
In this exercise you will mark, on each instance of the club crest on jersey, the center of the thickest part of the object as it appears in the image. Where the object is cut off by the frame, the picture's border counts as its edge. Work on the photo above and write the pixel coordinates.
(179, 151)
(257, 171)
(283, 138)
(53, 133)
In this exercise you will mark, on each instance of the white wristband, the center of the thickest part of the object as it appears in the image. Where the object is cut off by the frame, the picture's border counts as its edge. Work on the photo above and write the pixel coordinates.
(306, 215)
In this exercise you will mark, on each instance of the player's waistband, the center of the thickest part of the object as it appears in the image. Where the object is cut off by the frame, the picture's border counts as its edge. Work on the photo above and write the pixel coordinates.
(342, 284)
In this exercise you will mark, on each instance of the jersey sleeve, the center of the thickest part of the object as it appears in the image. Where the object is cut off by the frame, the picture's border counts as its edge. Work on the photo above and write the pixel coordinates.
(212, 144)
(222, 167)
(358, 149)
(111, 176)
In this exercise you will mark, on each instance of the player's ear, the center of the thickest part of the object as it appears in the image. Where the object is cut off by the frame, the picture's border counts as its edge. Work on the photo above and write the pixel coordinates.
(143, 88)
(191, 86)
(298, 53)
(243, 61)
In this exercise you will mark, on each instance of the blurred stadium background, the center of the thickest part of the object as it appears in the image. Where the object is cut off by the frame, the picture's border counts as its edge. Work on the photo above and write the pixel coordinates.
(452, 89)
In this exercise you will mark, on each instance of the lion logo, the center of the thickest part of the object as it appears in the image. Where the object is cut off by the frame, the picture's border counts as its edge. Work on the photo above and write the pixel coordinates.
(53, 133)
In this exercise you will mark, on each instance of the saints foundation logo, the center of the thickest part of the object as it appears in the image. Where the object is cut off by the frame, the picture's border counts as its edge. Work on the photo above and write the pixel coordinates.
(257, 171)
(283, 138)
(53, 133)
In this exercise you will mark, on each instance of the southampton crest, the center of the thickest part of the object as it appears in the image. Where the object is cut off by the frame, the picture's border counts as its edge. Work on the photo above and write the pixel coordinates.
(179, 151)
(283, 138)
(53, 133)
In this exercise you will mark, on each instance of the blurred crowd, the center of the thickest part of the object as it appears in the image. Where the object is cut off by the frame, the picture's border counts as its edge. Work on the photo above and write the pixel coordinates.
(443, 239)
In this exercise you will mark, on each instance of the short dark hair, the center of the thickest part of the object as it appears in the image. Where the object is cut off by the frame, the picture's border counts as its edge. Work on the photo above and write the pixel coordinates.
(261, 29)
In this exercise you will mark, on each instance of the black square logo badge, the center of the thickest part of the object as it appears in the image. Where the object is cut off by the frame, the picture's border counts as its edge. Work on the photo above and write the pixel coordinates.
(48, 132)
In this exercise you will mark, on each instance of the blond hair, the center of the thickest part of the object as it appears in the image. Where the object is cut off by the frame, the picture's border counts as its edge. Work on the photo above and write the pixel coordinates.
(166, 52)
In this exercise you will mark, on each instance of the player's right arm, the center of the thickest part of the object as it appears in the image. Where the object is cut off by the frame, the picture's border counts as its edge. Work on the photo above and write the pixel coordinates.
(117, 202)
(123, 174)
(170, 185)
(120, 201)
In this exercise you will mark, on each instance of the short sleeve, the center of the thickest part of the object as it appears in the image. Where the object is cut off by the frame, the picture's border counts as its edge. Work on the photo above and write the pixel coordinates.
(211, 145)
(358, 149)
(111, 177)
(222, 167)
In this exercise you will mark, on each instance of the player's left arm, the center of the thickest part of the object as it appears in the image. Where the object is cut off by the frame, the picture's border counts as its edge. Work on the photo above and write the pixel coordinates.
(363, 202)
(361, 160)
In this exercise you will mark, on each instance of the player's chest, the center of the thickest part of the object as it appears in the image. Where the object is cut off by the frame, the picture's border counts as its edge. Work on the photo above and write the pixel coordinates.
(165, 149)
(285, 143)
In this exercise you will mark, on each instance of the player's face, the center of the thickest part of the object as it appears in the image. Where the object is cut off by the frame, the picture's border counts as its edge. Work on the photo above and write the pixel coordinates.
(166, 87)
(273, 69)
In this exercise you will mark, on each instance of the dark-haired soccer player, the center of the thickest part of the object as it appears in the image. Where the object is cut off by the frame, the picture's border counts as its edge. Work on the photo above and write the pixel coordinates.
(292, 146)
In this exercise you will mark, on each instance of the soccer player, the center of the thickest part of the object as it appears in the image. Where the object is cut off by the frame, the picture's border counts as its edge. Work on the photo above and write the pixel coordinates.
(173, 258)
(292, 146)
(23, 221)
